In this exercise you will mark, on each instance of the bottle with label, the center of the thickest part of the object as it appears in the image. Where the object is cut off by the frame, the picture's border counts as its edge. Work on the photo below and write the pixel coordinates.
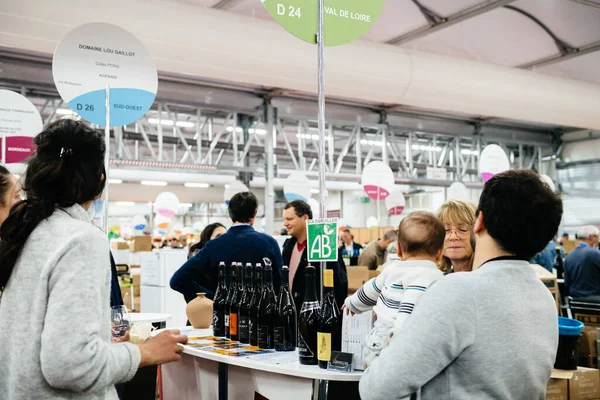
(308, 321)
(267, 312)
(235, 304)
(329, 333)
(244, 314)
(286, 322)
(254, 302)
(230, 295)
(219, 303)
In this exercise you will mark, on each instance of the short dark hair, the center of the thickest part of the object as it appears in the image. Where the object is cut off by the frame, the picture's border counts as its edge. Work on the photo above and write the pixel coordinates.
(300, 207)
(390, 235)
(242, 207)
(520, 212)
(421, 233)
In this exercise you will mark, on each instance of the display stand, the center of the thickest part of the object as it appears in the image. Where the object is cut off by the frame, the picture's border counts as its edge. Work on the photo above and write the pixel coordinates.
(207, 375)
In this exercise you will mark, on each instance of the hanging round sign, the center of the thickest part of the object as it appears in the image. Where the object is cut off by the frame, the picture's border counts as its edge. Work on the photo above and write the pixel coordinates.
(372, 222)
(96, 56)
(314, 206)
(377, 180)
(138, 223)
(457, 191)
(548, 181)
(395, 202)
(167, 204)
(344, 20)
(492, 161)
(20, 121)
(297, 187)
(233, 189)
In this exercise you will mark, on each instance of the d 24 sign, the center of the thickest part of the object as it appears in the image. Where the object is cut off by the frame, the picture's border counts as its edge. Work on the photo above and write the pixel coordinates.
(344, 20)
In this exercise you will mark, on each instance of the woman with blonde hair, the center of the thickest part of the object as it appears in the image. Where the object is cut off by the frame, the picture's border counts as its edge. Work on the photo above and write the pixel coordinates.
(458, 218)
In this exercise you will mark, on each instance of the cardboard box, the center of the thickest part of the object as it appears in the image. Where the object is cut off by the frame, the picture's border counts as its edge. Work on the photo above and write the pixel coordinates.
(589, 320)
(569, 245)
(357, 276)
(136, 304)
(557, 389)
(587, 347)
(583, 383)
(119, 245)
(140, 243)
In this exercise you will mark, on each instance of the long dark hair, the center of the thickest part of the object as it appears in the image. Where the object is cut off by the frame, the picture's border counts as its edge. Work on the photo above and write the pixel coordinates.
(67, 168)
(5, 175)
(204, 238)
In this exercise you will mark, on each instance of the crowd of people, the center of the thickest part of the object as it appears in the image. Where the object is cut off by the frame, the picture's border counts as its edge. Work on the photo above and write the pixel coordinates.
(459, 281)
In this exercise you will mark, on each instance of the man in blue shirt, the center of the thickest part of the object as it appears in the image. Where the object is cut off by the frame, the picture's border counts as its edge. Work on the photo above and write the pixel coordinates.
(241, 243)
(582, 266)
(547, 257)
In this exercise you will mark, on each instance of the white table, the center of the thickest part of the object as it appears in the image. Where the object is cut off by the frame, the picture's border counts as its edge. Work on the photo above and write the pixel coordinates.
(153, 318)
(205, 375)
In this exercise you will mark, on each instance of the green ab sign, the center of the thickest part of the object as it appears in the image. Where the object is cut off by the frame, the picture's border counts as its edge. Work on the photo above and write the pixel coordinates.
(344, 21)
(322, 239)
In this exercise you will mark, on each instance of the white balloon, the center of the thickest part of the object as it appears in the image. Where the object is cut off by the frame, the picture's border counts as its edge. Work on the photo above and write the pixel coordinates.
(314, 206)
(233, 189)
(138, 223)
(297, 187)
(197, 227)
(458, 191)
(372, 222)
(395, 202)
(377, 180)
(493, 160)
(167, 204)
(162, 224)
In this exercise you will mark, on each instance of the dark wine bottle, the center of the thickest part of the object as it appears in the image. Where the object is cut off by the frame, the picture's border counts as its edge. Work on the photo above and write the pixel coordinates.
(329, 333)
(267, 312)
(244, 310)
(234, 322)
(219, 303)
(286, 322)
(254, 302)
(232, 290)
(308, 321)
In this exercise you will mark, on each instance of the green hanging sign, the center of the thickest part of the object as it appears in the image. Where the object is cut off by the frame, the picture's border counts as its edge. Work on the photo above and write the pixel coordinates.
(345, 20)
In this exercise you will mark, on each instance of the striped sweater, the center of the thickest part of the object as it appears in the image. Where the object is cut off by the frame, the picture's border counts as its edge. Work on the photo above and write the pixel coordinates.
(394, 293)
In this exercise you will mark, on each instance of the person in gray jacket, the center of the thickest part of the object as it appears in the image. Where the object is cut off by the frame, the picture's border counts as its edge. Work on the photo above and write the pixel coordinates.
(489, 334)
(55, 333)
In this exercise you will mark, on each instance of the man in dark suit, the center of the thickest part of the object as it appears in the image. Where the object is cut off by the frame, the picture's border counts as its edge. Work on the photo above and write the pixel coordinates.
(241, 243)
(295, 256)
(349, 250)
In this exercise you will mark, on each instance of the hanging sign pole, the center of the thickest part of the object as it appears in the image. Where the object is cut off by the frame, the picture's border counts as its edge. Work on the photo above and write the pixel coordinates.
(321, 121)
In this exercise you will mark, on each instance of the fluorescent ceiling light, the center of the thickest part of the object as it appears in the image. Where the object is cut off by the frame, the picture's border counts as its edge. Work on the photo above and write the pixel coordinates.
(258, 131)
(230, 129)
(64, 111)
(426, 148)
(309, 136)
(314, 191)
(185, 205)
(154, 183)
(196, 185)
(468, 152)
(115, 181)
(125, 203)
(168, 122)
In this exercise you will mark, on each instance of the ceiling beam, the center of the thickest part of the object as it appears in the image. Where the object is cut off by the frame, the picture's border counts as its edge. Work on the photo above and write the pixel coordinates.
(453, 19)
(555, 58)
(226, 4)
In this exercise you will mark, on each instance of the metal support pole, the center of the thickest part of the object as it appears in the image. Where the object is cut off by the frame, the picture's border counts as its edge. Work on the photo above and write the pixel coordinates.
(539, 152)
(159, 130)
(269, 156)
(321, 118)
(520, 156)
(384, 147)
(358, 151)
(457, 155)
(106, 161)
(331, 147)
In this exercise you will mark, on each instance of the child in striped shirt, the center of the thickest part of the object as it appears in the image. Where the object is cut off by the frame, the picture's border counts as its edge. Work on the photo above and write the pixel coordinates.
(396, 291)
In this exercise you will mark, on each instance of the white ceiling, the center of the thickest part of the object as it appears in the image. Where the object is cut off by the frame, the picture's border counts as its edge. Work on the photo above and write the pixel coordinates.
(500, 36)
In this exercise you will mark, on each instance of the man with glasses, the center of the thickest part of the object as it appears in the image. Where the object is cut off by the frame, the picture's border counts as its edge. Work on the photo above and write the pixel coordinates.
(582, 265)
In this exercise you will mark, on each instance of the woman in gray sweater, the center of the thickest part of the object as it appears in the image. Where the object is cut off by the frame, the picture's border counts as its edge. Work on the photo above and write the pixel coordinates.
(55, 278)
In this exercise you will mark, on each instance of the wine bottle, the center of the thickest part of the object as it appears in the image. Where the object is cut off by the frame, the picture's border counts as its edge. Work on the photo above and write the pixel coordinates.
(267, 311)
(219, 303)
(257, 292)
(308, 321)
(232, 290)
(286, 322)
(244, 311)
(234, 327)
(329, 334)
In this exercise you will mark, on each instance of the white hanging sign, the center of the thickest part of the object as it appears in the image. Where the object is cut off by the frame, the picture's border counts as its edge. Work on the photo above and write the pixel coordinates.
(233, 189)
(457, 191)
(297, 187)
(96, 55)
(20, 122)
(493, 160)
(395, 202)
(377, 180)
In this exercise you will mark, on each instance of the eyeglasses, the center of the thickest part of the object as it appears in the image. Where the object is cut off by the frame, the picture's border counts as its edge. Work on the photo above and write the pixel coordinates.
(460, 231)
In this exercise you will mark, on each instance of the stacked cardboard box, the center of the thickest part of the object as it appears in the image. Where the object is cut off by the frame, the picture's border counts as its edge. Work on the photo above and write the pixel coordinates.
(140, 243)
(587, 347)
(580, 384)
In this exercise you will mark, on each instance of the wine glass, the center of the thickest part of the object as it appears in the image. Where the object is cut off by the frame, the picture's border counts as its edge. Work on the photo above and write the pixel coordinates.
(120, 322)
